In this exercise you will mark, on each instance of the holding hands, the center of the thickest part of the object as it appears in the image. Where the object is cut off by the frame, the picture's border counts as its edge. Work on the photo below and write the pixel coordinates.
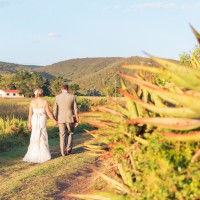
(29, 127)
(55, 122)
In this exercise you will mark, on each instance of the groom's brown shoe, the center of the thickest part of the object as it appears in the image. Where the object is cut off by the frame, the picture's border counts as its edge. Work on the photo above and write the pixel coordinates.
(68, 151)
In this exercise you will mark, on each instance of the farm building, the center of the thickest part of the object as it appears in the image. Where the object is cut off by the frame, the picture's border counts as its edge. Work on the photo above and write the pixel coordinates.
(10, 94)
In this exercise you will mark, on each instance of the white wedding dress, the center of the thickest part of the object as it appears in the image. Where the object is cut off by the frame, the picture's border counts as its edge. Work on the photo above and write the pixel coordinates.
(38, 150)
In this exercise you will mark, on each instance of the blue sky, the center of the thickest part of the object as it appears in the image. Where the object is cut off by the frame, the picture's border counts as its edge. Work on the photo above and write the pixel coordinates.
(44, 32)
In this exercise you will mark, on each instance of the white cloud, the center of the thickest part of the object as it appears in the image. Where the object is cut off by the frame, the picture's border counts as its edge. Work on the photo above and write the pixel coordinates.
(166, 5)
(53, 34)
(155, 5)
(190, 6)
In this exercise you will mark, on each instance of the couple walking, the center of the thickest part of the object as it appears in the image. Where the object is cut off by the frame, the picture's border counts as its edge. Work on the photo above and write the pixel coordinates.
(64, 115)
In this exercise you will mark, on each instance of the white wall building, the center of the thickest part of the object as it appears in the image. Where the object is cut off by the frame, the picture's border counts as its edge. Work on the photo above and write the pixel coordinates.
(10, 94)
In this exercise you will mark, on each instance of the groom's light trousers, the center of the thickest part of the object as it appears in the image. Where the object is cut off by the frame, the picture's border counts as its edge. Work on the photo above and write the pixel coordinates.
(66, 136)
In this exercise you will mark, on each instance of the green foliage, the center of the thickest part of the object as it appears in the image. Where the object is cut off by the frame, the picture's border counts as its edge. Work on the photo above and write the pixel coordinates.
(190, 58)
(83, 127)
(74, 88)
(83, 104)
(12, 132)
(93, 92)
(165, 170)
(55, 85)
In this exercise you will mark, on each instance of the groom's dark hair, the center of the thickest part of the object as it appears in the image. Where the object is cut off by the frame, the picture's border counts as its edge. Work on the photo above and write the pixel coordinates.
(65, 87)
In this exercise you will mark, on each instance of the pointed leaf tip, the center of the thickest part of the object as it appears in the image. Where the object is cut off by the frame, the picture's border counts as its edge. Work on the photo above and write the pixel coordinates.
(197, 35)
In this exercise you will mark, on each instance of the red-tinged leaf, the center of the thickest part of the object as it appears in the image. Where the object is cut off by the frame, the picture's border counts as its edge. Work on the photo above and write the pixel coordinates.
(193, 93)
(171, 123)
(190, 137)
(197, 35)
(168, 111)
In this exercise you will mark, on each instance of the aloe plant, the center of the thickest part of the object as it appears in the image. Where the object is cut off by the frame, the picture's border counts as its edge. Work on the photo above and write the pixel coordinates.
(152, 137)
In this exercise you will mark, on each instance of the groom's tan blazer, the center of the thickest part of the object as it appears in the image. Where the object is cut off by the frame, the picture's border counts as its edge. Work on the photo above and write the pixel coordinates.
(65, 107)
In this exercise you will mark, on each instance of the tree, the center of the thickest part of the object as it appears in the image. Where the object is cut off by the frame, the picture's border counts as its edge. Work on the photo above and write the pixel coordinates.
(93, 92)
(55, 85)
(27, 82)
(74, 88)
(6, 82)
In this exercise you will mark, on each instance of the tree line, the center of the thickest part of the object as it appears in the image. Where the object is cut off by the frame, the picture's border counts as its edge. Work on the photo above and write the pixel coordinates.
(27, 82)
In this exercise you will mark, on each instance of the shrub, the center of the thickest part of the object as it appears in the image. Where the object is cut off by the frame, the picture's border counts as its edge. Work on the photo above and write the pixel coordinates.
(84, 104)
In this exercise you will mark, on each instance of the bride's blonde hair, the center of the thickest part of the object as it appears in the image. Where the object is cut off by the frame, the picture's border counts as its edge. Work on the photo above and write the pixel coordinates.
(38, 92)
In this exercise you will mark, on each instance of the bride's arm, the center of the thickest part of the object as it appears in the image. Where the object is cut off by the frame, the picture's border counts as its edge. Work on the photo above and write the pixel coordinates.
(29, 116)
(49, 113)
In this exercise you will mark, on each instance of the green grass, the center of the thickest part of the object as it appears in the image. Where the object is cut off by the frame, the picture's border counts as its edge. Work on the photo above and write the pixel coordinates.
(21, 180)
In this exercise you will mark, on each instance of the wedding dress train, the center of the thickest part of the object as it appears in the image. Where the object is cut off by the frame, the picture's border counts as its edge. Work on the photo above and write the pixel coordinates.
(38, 150)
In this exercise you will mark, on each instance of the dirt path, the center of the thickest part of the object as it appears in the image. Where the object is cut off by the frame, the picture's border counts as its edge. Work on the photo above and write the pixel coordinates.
(50, 180)
(77, 183)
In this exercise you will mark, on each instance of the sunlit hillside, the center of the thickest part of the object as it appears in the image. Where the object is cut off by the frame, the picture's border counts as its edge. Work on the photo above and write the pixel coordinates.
(11, 68)
(89, 73)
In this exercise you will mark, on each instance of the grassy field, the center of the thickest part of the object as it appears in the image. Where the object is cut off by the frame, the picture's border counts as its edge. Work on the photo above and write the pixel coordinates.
(48, 180)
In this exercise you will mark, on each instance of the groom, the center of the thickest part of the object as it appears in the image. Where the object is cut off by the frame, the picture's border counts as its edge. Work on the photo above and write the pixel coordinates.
(65, 107)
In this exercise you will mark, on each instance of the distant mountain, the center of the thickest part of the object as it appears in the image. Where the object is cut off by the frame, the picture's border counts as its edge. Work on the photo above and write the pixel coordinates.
(89, 73)
(11, 68)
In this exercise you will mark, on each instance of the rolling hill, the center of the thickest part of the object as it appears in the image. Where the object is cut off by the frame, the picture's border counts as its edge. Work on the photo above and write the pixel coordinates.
(89, 73)
(11, 68)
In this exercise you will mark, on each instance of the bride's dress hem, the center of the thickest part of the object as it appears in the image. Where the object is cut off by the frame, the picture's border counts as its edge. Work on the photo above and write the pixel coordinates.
(31, 161)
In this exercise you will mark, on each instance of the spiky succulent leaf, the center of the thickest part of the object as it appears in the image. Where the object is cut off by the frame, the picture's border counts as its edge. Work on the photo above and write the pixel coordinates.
(171, 123)
(193, 136)
(167, 111)
(197, 35)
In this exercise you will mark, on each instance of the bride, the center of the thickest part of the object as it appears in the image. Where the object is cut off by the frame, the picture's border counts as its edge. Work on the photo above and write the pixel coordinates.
(38, 150)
